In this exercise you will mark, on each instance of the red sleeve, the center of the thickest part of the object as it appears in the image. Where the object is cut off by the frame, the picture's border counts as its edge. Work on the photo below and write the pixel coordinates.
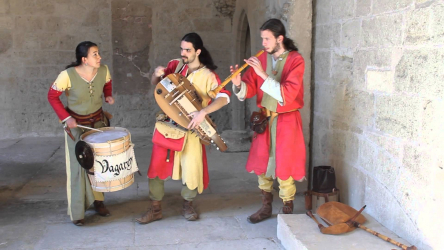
(108, 88)
(250, 78)
(171, 67)
(57, 105)
(293, 80)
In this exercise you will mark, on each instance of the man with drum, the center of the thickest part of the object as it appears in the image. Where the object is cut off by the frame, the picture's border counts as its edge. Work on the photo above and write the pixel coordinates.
(190, 164)
(84, 81)
(278, 151)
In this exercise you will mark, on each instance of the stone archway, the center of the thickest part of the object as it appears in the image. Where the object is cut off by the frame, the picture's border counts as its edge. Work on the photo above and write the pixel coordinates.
(246, 42)
(243, 50)
(245, 38)
(246, 51)
(246, 18)
(238, 138)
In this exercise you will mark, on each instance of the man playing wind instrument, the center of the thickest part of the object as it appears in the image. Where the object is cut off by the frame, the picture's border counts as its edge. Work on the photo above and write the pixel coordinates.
(278, 152)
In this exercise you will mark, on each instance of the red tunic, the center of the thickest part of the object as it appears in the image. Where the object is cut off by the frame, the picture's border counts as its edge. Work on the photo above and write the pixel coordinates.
(290, 145)
(158, 165)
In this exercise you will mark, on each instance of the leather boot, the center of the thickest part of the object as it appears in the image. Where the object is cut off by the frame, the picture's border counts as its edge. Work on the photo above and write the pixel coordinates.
(79, 223)
(288, 207)
(154, 213)
(101, 209)
(265, 211)
(188, 211)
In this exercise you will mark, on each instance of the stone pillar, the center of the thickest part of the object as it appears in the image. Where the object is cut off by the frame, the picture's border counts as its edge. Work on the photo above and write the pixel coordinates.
(299, 16)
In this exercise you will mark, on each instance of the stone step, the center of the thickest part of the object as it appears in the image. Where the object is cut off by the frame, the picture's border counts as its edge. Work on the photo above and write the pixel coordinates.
(298, 231)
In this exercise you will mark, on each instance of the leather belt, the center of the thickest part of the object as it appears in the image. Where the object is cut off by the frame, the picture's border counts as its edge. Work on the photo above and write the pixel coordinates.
(272, 115)
(89, 119)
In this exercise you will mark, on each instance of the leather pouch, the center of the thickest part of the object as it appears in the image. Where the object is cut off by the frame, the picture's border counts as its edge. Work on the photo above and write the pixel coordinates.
(258, 122)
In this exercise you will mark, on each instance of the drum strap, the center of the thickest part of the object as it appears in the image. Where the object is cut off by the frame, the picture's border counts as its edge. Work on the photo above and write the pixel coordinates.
(179, 67)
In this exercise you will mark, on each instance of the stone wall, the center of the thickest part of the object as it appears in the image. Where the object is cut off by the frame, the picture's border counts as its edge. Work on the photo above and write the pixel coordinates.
(37, 42)
(38, 39)
(378, 105)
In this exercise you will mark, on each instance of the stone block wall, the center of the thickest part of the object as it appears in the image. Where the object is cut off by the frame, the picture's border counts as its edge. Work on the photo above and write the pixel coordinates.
(299, 18)
(378, 109)
(38, 39)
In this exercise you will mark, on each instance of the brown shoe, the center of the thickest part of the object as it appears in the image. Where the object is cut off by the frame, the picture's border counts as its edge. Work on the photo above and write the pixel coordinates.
(154, 213)
(79, 223)
(288, 207)
(188, 211)
(101, 209)
(265, 211)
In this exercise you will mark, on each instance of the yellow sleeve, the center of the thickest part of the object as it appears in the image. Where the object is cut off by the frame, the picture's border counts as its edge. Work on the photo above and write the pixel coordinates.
(108, 75)
(62, 82)
(211, 82)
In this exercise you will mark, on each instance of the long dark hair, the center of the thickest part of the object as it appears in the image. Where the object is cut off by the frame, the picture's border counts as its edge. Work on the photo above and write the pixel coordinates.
(204, 57)
(278, 29)
(81, 51)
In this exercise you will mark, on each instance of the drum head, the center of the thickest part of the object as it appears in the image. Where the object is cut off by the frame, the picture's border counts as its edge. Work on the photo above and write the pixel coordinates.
(108, 135)
(84, 155)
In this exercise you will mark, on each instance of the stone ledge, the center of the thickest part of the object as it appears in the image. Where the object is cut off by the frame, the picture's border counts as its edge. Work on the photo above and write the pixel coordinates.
(298, 231)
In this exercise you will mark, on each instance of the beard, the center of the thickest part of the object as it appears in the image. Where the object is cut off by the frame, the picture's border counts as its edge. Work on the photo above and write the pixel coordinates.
(187, 60)
(275, 49)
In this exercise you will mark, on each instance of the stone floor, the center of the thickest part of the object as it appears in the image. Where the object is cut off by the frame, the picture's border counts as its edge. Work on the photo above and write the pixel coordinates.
(33, 205)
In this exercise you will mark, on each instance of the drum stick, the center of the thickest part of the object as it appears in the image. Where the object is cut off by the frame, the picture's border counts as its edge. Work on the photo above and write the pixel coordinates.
(213, 93)
(98, 130)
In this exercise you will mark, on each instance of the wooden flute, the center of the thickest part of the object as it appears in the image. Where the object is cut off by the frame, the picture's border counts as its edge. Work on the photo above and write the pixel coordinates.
(214, 92)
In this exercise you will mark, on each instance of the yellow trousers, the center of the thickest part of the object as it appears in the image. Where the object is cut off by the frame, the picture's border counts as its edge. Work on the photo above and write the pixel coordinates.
(287, 188)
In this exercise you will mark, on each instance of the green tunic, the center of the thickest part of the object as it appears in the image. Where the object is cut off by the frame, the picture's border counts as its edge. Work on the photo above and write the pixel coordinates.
(271, 104)
(86, 97)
